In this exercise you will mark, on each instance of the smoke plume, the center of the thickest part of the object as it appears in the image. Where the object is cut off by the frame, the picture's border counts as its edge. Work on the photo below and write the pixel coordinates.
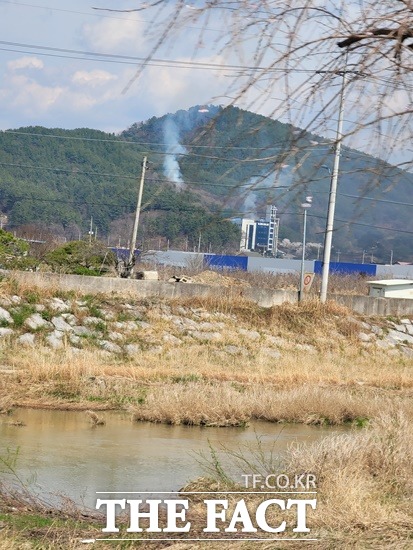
(173, 148)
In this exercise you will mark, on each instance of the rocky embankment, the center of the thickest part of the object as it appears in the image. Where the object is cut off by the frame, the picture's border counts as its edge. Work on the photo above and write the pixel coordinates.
(118, 326)
(395, 336)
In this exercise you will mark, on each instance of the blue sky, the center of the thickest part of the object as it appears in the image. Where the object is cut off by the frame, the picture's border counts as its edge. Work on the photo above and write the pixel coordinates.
(58, 90)
(72, 90)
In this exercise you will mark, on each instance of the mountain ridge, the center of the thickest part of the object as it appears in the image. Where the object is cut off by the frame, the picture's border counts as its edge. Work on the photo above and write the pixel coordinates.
(207, 164)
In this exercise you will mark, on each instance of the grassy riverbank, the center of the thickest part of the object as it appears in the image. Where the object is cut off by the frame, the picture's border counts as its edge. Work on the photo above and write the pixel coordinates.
(364, 489)
(207, 363)
(220, 363)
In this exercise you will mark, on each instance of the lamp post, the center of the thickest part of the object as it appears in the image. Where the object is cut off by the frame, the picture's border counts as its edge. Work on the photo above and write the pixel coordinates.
(305, 205)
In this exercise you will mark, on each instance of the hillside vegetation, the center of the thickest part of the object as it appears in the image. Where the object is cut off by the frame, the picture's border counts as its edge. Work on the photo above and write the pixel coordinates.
(204, 168)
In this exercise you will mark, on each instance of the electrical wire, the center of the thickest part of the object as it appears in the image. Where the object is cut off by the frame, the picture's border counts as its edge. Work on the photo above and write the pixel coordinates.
(170, 63)
(117, 58)
(281, 147)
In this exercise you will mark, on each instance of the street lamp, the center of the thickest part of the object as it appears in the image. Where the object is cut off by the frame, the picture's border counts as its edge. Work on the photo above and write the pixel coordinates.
(305, 205)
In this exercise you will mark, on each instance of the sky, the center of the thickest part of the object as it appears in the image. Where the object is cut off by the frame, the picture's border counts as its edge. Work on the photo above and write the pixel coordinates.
(72, 90)
(41, 84)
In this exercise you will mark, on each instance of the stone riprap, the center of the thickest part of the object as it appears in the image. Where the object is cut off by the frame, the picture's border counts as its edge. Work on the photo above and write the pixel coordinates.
(396, 336)
(119, 327)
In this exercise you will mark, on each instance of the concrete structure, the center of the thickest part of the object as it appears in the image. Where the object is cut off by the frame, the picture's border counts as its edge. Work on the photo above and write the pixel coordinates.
(247, 232)
(395, 271)
(147, 275)
(391, 288)
(175, 258)
(365, 305)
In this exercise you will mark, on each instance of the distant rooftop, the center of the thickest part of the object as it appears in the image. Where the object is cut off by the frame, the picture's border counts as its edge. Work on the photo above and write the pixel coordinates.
(391, 282)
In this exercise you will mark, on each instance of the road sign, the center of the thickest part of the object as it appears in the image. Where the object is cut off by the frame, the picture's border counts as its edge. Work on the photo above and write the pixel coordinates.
(308, 281)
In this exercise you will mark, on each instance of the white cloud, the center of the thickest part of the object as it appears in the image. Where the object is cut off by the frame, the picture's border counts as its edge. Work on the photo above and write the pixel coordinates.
(170, 88)
(25, 63)
(92, 78)
(123, 35)
(31, 96)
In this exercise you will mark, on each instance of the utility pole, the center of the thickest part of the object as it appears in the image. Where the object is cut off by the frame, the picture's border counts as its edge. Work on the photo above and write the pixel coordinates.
(333, 193)
(91, 230)
(305, 205)
(131, 259)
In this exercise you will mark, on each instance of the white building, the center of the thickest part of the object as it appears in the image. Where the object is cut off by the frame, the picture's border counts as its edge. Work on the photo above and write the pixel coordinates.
(391, 288)
(260, 235)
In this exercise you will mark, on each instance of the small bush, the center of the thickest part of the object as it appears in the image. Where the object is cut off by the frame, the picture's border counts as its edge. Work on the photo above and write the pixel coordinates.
(81, 258)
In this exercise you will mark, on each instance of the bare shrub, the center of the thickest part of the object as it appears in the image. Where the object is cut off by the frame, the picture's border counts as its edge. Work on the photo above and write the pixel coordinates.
(95, 419)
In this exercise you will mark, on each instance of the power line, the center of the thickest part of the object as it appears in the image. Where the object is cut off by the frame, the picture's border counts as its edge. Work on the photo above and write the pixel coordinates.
(117, 58)
(234, 214)
(171, 63)
(99, 15)
(70, 171)
(280, 145)
(122, 141)
(90, 14)
(76, 172)
(163, 153)
(387, 201)
(351, 223)
(253, 186)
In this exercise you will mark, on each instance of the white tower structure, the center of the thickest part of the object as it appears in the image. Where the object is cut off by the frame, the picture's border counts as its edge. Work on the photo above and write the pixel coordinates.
(271, 218)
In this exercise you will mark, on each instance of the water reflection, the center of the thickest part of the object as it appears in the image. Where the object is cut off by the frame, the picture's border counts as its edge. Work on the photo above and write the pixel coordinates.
(70, 456)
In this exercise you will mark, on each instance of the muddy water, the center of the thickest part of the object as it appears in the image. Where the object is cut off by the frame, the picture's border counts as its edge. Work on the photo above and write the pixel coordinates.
(66, 455)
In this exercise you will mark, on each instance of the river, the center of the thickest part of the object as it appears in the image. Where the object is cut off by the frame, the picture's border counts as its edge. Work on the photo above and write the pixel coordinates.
(61, 453)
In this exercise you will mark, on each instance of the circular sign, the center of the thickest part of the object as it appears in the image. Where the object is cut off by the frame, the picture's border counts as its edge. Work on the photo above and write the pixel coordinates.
(307, 279)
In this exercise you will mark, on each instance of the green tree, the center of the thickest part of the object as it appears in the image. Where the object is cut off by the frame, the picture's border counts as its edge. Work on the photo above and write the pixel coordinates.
(14, 252)
(81, 258)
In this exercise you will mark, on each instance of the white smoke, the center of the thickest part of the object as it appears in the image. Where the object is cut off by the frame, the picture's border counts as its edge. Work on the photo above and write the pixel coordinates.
(173, 148)
(258, 187)
(255, 194)
(250, 204)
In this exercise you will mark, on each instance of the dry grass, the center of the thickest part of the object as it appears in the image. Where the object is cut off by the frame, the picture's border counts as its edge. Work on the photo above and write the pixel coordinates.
(305, 363)
(363, 483)
(195, 404)
(340, 381)
(338, 284)
(229, 404)
(31, 522)
(364, 478)
(322, 376)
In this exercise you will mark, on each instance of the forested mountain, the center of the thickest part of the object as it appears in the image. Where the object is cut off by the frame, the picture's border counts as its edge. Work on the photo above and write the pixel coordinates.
(206, 165)
(57, 180)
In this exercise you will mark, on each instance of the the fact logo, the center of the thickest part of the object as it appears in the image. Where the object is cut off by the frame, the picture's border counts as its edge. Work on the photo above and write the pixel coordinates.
(251, 513)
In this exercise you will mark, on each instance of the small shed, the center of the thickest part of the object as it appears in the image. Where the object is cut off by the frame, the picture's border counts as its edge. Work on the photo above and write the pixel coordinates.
(391, 288)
